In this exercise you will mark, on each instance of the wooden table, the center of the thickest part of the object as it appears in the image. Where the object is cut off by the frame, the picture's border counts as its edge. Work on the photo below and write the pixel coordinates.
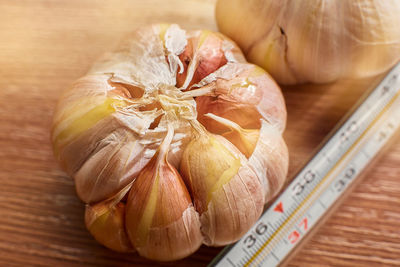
(45, 45)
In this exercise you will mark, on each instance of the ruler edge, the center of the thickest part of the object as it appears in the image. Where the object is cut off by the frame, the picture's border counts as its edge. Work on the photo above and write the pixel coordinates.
(375, 83)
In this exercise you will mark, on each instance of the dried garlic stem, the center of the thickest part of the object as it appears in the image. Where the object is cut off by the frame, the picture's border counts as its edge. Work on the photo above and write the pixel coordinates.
(205, 90)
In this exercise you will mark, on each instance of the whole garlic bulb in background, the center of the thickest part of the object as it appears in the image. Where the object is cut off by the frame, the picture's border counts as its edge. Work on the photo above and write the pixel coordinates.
(316, 40)
(173, 141)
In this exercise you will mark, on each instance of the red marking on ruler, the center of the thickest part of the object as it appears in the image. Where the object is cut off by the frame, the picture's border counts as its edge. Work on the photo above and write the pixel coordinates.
(293, 237)
(304, 223)
(279, 207)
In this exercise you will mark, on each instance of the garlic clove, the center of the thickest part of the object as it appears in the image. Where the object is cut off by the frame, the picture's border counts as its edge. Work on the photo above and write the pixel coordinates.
(226, 192)
(244, 97)
(244, 139)
(83, 95)
(81, 122)
(117, 160)
(72, 155)
(81, 116)
(106, 222)
(202, 56)
(234, 208)
(87, 120)
(204, 53)
(160, 219)
(270, 159)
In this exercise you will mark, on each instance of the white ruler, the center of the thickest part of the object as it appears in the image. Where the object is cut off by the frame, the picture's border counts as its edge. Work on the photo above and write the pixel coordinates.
(322, 181)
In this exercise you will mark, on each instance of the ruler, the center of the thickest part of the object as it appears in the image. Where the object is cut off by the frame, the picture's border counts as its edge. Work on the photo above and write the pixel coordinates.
(348, 150)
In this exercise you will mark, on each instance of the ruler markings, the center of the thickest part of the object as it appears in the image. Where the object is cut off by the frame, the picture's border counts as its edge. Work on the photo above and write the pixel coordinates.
(230, 261)
(276, 258)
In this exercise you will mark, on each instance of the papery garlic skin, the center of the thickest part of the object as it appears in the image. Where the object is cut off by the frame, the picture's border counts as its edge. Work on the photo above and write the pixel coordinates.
(173, 141)
(314, 41)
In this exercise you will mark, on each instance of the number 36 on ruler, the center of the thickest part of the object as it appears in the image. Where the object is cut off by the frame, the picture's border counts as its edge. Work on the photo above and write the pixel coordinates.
(250, 240)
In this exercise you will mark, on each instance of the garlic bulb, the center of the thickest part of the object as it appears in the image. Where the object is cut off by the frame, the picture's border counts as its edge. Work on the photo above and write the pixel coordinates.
(314, 41)
(173, 141)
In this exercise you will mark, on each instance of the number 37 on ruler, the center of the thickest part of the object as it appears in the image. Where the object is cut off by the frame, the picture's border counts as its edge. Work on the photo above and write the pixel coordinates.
(296, 234)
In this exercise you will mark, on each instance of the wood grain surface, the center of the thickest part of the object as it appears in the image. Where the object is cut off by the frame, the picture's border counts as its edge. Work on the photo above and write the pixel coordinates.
(45, 45)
